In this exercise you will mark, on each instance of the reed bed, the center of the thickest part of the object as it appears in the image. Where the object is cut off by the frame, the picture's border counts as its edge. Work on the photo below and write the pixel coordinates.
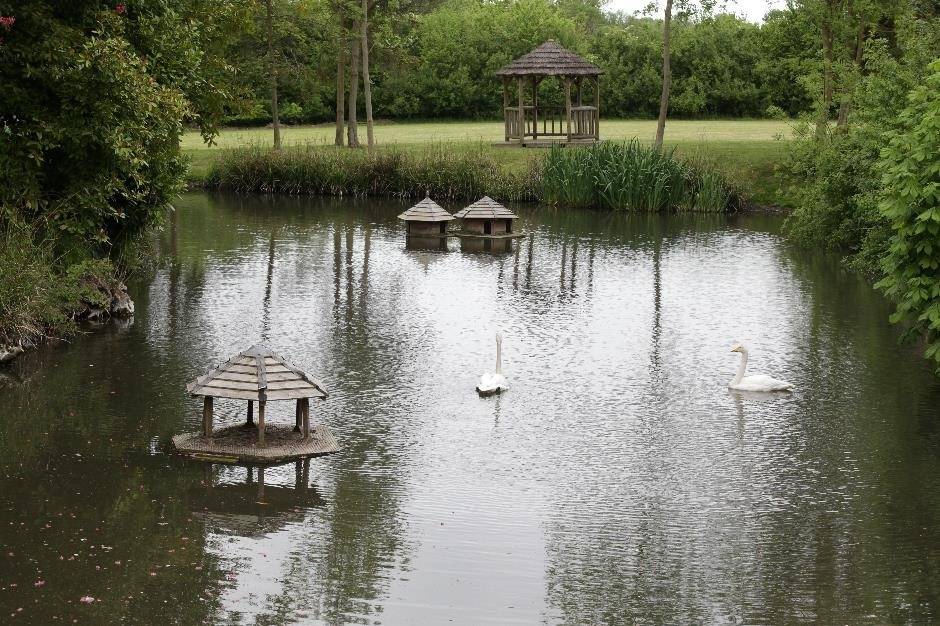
(632, 177)
(446, 172)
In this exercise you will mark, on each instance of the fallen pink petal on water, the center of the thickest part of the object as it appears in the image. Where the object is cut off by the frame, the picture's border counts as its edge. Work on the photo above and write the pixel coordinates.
(86, 600)
(39, 583)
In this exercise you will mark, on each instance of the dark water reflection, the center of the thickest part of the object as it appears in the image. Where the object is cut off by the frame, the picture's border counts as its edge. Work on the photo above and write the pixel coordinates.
(617, 481)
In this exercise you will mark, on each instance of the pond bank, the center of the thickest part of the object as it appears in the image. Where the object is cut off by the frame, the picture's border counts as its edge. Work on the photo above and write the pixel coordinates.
(94, 298)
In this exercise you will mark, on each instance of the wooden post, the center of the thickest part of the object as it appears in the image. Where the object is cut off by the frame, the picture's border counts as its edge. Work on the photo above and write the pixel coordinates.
(506, 106)
(207, 416)
(568, 105)
(297, 415)
(251, 413)
(519, 82)
(597, 108)
(260, 482)
(579, 117)
(306, 416)
(261, 423)
(535, 107)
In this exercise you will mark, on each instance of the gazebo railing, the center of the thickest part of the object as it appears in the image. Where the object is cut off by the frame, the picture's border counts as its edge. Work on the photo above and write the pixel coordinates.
(550, 121)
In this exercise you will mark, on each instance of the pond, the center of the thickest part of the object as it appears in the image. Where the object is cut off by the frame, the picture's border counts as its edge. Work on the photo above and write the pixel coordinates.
(618, 480)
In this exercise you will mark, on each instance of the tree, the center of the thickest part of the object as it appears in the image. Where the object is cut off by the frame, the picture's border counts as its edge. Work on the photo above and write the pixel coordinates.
(667, 77)
(272, 74)
(910, 168)
(366, 81)
(686, 7)
(92, 108)
(340, 88)
(352, 128)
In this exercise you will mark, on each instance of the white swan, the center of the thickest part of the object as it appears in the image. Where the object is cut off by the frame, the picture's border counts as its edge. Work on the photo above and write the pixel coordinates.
(758, 382)
(495, 382)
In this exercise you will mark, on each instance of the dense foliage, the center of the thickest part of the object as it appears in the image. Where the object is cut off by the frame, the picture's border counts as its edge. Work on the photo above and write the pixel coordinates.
(835, 179)
(93, 100)
(910, 165)
(439, 59)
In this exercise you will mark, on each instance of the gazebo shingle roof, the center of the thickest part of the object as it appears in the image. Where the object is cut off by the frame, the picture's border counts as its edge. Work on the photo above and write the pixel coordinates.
(550, 59)
(257, 374)
(485, 209)
(426, 211)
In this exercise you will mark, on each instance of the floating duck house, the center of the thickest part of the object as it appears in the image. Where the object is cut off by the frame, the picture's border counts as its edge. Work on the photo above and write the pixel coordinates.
(257, 375)
(426, 218)
(487, 218)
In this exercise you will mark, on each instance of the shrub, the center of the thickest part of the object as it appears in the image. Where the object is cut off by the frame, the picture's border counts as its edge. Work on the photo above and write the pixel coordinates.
(445, 171)
(910, 167)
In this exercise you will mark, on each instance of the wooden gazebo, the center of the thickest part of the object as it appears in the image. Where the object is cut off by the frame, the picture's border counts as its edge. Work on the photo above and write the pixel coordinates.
(535, 125)
(258, 374)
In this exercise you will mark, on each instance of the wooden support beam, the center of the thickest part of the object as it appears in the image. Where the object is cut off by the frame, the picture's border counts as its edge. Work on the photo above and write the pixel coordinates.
(568, 105)
(251, 413)
(519, 83)
(597, 108)
(207, 416)
(298, 412)
(505, 106)
(535, 107)
(306, 418)
(261, 404)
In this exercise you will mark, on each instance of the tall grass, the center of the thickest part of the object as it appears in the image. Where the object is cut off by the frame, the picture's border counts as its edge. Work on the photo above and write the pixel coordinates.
(632, 177)
(446, 172)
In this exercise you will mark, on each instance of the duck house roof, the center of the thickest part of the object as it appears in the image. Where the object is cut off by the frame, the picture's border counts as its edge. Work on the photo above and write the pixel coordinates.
(257, 373)
(426, 211)
(485, 209)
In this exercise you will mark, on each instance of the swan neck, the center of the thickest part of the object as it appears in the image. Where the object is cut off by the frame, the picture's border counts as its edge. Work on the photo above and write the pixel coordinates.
(499, 356)
(742, 366)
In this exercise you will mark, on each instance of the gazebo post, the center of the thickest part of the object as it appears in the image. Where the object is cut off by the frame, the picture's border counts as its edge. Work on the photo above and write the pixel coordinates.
(298, 411)
(261, 422)
(207, 416)
(250, 420)
(568, 105)
(597, 108)
(535, 107)
(505, 106)
(519, 82)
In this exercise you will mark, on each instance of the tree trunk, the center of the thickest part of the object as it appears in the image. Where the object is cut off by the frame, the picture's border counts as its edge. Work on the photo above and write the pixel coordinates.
(366, 83)
(340, 89)
(846, 105)
(822, 120)
(272, 74)
(352, 127)
(667, 77)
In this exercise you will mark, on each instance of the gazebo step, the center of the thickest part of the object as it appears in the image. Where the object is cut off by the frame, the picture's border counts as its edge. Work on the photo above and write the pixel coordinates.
(546, 143)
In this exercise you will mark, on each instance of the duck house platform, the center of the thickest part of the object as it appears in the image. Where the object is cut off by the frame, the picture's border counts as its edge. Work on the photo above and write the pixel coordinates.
(239, 444)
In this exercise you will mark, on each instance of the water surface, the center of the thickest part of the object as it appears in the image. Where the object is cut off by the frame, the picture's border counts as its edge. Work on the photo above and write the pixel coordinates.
(617, 481)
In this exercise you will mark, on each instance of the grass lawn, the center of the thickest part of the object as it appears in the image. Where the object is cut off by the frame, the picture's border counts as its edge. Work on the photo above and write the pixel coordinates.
(746, 150)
